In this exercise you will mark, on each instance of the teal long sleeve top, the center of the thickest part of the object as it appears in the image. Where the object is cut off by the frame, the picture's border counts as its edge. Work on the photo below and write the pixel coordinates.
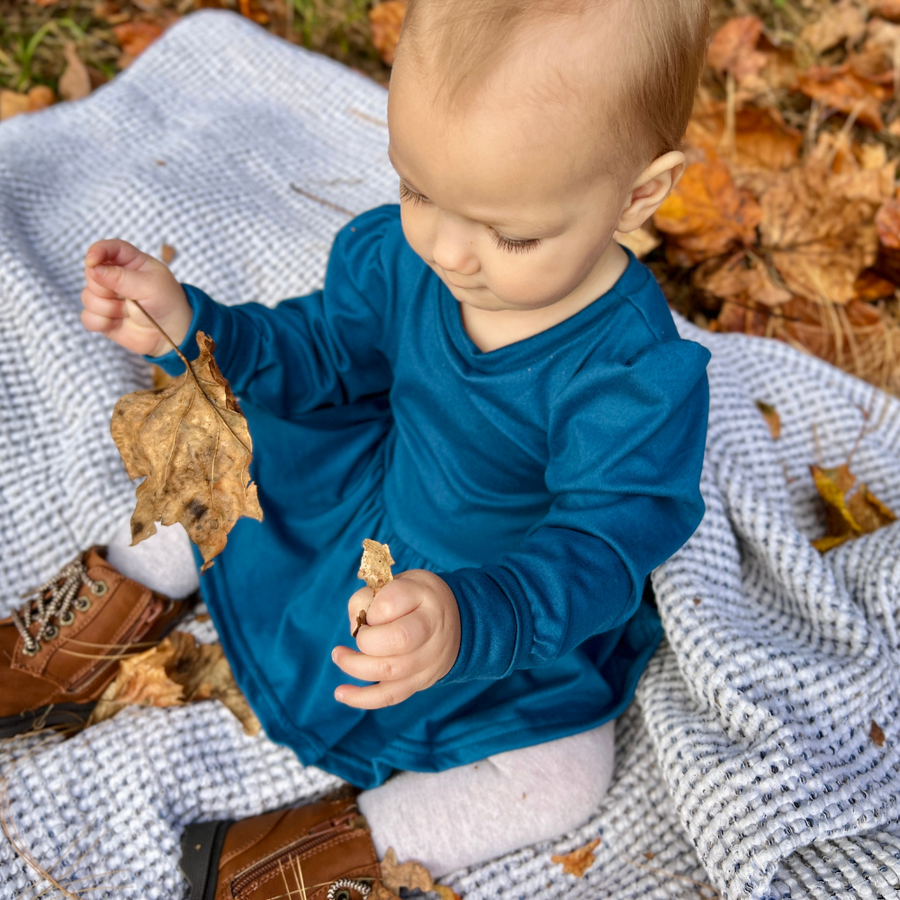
(543, 481)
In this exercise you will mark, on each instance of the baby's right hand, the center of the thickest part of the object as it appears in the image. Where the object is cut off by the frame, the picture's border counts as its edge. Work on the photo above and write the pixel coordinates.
(117, 271)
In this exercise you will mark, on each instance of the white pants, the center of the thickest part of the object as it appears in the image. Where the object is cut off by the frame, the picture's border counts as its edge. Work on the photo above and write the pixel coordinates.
(445, 820)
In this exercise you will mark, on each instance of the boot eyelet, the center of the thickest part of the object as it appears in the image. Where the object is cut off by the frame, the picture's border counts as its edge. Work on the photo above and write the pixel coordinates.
(50, 632)
(342, 894)
(82, 603)
(32, 651)
(99, 588)
(67, 618)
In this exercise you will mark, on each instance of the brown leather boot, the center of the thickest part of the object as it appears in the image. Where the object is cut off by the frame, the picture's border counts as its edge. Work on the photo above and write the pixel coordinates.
(60, 650)
(322, 851)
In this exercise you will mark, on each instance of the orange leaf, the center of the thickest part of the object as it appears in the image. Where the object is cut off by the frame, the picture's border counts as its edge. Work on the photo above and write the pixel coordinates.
(136, 37)
(887, 221)
(846, 92)
(733, 47)
(762, 139)
(385, 20)
(578, 861)
(706, 214)
(888, 9)
(250, 9)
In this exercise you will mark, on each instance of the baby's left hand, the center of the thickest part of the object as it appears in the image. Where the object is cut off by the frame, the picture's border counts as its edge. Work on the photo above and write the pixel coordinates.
(410, 640)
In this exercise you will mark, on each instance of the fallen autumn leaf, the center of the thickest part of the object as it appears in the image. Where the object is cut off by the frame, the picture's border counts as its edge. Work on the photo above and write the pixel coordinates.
(191, 441)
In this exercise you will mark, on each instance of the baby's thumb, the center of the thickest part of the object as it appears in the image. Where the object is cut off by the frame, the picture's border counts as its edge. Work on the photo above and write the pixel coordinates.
(134, 284)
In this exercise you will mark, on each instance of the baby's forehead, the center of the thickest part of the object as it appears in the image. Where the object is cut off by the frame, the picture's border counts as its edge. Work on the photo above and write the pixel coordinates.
(567, 65)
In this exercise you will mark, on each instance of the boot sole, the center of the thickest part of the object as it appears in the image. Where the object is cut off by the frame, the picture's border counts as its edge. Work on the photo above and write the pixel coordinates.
(201, 848)
(57, 715)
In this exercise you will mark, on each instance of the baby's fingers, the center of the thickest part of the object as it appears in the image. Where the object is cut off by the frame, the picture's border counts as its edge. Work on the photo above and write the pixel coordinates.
(374, 668)
(114, 253)
(376, 696)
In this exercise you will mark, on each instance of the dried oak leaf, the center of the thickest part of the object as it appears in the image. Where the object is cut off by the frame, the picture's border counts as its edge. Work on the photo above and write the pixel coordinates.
(178, 670)
(773, 420)
(385, 20)
(876, 734)
(706, 214)
(847, 92)
(733, 47)
(411, 875)
(847, 515)
(843, 21)
(191, 441)
(578, 861)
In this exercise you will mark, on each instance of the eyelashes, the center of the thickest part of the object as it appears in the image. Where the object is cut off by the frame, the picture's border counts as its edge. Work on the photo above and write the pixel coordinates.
(410, 196)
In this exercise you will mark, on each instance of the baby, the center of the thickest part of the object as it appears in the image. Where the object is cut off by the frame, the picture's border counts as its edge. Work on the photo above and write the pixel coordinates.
(491, 385)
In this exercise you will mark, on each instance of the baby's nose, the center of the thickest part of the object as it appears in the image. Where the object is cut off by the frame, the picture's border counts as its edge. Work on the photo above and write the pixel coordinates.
(453, 251)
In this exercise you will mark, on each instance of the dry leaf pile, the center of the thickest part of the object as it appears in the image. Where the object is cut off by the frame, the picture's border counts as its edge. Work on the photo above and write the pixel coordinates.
(177, 671)
(786, 223)
(191, 441)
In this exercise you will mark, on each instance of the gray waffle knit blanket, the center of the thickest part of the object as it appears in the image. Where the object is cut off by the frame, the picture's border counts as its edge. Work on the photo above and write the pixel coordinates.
(746, 762)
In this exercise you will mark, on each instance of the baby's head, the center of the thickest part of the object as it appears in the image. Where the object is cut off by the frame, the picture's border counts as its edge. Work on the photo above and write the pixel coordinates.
(533, 129)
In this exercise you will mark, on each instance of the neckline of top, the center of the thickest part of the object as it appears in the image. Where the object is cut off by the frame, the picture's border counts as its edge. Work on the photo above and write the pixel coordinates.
(543, 342)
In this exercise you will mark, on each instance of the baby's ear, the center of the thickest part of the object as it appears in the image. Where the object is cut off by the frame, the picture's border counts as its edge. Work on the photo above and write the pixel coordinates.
(650, 188)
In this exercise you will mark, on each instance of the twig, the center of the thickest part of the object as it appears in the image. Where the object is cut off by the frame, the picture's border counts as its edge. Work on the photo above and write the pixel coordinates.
(324, 202)
(673, 875)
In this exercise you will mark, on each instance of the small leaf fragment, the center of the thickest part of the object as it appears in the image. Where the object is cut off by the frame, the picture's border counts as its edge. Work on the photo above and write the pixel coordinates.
(168, 253)
(578, 861)
(773, 420)
(375, 567)
(411, 875)
(876, 734)
(191, 441)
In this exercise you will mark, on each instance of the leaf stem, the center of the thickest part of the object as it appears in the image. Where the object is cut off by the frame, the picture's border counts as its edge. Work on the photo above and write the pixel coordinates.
(161, 330)
(191, 372)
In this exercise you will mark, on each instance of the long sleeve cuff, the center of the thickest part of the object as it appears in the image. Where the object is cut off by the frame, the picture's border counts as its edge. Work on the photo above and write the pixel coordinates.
(208, 317)
(484, 652)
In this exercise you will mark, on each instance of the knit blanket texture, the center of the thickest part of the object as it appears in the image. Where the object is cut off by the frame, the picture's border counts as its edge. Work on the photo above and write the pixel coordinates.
(748, 764)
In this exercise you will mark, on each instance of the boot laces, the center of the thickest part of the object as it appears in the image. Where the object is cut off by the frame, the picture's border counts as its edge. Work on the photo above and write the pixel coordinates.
(51, 604)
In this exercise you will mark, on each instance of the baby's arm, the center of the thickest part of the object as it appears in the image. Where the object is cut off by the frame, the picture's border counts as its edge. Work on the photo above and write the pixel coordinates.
(115, 272)
(410, 640)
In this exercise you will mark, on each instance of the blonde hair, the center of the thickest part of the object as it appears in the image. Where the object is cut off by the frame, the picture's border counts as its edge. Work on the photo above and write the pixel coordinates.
(664, 51)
